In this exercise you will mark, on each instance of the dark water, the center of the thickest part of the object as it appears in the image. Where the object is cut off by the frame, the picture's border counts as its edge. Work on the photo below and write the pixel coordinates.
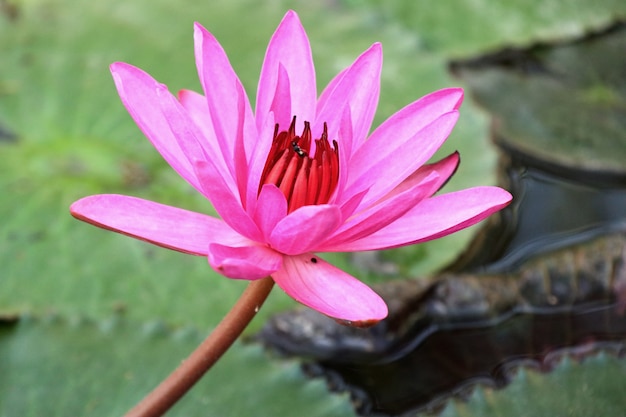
(550, 210)
(563, 148)
(422, 373)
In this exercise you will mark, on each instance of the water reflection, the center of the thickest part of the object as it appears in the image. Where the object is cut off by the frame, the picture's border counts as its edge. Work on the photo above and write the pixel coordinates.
(421, 376)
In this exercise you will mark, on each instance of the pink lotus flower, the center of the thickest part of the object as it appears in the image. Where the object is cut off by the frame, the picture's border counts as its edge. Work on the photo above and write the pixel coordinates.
(297, 176)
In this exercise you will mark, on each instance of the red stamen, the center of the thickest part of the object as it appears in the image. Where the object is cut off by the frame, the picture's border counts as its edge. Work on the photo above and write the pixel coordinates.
(300, 188)
(326, 184)
(289, 177)
(313, 186)
(303, 179)
(277, 170)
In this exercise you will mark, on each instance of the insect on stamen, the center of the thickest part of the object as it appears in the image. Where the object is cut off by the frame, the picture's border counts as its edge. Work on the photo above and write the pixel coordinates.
(297, 149)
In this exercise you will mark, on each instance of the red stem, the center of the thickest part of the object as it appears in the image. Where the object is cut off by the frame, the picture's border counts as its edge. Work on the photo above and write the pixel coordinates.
(168, 392)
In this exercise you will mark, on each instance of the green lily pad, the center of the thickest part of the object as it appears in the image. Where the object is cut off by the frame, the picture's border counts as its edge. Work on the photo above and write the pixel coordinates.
(594, 387)
(467, 27)
(569, 106)
(60, 367)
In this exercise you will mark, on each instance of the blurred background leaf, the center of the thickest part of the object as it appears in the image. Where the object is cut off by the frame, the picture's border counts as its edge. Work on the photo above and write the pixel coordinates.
(120, 362)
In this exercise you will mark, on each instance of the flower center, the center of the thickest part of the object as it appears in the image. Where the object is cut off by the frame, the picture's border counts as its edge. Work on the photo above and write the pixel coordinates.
(305, 178)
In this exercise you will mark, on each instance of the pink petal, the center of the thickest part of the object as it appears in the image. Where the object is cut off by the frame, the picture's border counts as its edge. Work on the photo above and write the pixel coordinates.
(289, 48)
(385, 172)
(227, 205)
(140, 94)
(190, 139)
(319, 285)
(166, 226)
(223, 92)
(244, 262)
(330, 87)
(358, 88)
(198, 111)
(280, 109)
(239, 158)
(444, 168)
(270, 209)
(257, 162)
(349, 207)
(433, 218)
(386, 212)
(390, 137)
(302, 230)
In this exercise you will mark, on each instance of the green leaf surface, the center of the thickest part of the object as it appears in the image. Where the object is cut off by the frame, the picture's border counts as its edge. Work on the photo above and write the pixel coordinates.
(594, 387)
(469, 27)
(574, 95)
(56, 367)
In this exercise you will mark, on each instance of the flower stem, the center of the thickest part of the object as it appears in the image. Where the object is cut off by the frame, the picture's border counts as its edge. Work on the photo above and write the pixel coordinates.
(168, 392)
